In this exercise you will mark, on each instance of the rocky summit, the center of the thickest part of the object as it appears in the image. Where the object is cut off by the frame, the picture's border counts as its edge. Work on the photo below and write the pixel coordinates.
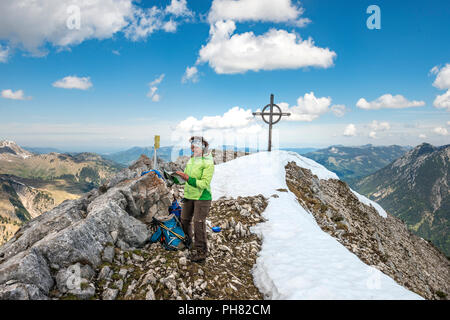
(77, 231)
(96, 247)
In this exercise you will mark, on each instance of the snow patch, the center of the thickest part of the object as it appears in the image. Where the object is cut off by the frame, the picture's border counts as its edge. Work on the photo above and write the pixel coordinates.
(297, 259)
(260, 173)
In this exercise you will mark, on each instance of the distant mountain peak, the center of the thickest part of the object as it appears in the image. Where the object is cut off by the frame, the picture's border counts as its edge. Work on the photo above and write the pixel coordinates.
(424, 148)
(7, 143)
(415, 188)
(350, 162)
(10, 148)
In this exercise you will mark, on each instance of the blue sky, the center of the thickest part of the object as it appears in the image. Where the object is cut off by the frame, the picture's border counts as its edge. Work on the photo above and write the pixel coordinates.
(117, 62)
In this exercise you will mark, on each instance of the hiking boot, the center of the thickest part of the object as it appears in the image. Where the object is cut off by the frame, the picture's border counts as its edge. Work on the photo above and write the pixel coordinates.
(198, 256)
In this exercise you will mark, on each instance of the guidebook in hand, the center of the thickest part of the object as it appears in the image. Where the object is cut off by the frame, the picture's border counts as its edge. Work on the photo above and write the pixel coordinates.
(173, 177)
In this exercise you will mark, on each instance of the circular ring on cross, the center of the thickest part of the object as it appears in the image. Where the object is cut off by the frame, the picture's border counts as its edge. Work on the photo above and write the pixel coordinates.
(273, 114)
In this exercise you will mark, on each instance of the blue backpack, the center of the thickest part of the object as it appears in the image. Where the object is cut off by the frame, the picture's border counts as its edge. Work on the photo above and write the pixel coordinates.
(169, 233)
(175, 209)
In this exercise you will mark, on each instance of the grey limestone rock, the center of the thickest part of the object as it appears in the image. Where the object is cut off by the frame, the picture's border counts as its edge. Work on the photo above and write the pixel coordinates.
(79, 233)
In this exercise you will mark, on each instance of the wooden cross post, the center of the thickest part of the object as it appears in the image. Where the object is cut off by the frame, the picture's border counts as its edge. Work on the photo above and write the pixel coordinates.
(271, 114)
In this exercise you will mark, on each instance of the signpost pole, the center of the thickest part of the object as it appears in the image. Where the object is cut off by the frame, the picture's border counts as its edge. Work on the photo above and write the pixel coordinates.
(155, 147)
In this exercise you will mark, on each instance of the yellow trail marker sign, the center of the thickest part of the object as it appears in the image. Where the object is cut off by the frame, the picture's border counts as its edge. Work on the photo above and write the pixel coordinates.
(156, 142)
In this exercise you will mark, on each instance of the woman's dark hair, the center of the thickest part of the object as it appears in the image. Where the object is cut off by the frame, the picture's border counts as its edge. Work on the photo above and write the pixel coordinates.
(204, 142)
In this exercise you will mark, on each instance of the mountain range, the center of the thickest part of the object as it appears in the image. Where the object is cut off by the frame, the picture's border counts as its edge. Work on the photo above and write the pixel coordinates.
(167, 153)
(301, 151)
(31, 184)
(415, 188)
(127, 157)
(42, 150)
(351, 163)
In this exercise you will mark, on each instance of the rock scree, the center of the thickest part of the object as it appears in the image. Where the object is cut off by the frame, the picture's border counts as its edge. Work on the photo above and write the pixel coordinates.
(96, 247)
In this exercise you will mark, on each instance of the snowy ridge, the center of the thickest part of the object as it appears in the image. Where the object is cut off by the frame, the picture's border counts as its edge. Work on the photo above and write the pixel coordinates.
(298, 260)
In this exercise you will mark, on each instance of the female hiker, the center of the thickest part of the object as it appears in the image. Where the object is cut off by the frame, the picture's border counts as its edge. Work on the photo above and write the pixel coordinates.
(197, 196)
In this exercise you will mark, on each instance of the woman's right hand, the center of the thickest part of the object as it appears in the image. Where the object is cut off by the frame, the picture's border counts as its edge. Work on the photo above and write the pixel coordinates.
(183, 175)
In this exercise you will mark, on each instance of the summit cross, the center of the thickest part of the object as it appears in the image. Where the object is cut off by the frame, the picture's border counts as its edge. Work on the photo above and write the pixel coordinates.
(271, 115)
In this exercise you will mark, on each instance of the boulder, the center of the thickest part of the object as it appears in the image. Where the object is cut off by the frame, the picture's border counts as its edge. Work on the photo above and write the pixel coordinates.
(108, 254)
(79, 233)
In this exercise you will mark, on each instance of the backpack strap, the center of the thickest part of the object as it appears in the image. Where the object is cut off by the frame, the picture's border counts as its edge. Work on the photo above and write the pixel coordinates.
(173, 232)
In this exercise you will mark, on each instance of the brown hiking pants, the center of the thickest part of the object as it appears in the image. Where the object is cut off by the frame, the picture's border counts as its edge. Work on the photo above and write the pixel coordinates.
(197, 210)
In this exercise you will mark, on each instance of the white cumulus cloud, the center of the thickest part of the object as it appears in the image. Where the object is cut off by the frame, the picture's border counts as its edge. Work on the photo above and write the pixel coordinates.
(30, 25)
(442, 101)
(14, 95)
(4, 53)
(442, 80)
(388, 101)
(191, 74)
(339, 110)
(234, 118)
(179, 8)
(257, 10)
(153, 95)
(157, 80)
(144, 22)
(236, 126)
(153, 88)
(350, 130)
(380, 126)
(73, 82)
(170, 26)
(229, 53)
(308, 108)
(376, 127)
(440, 131)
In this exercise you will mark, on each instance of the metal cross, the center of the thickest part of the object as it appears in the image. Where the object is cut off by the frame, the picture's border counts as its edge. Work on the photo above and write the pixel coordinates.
(271, 114)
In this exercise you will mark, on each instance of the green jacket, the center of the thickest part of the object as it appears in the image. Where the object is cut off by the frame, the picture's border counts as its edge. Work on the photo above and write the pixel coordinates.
(200, 171)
